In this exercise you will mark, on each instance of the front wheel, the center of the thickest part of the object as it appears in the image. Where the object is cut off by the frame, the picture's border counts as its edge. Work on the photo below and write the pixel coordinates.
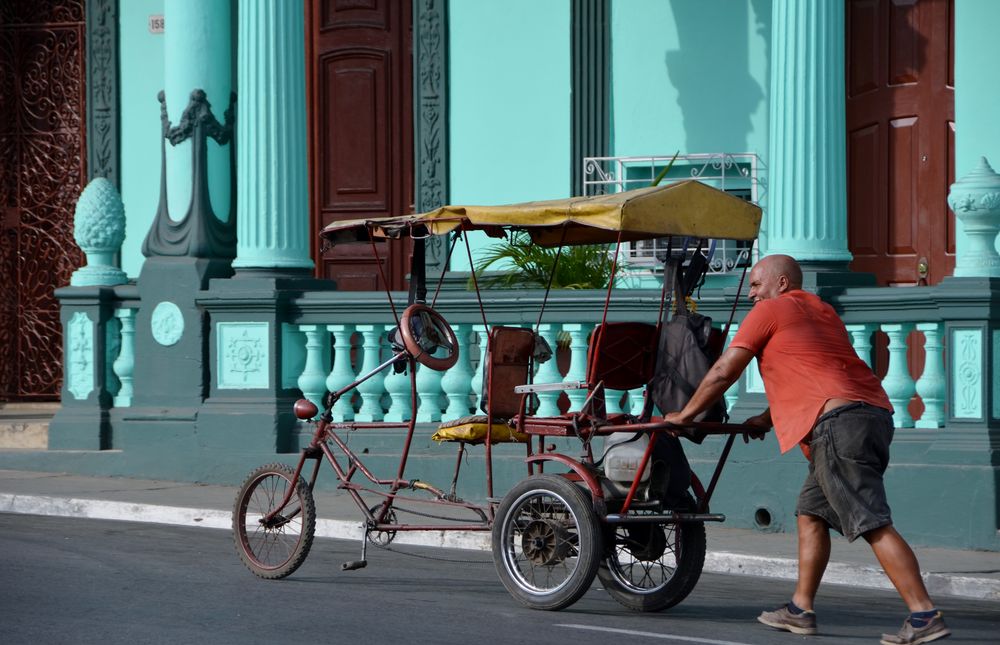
(546, 542)
(650, 567)
(273, 548)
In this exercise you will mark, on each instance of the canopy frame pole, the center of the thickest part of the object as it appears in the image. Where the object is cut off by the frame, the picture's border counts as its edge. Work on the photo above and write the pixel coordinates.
(552, 275)
(663, 289)
(475, 282)
(592, 363)
(385, 283)
(736, 301)
(447, 262)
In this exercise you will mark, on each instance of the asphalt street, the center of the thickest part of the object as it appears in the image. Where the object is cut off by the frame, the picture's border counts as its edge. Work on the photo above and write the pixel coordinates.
(78, 581)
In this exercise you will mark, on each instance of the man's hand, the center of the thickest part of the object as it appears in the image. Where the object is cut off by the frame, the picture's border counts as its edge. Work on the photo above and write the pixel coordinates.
(762, 421)
(678, 419)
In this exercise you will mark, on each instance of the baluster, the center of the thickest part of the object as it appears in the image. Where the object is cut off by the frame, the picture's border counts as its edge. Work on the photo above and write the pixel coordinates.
(897, 382)
(398, 388)
(732, 395)
(428, 394)
(477, 376)
(861, 338)
(312, 381)
(578, 362)
(456, 382)
(124, 365)
(342, 373)
(112, 349)
(931, 386)
(371, 390)
(548, 372)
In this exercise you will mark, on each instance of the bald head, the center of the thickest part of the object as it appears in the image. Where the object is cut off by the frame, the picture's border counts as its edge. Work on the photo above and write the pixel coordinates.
(774, 275)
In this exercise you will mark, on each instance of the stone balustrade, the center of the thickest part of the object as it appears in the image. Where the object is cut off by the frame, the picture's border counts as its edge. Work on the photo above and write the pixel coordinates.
(337, 351)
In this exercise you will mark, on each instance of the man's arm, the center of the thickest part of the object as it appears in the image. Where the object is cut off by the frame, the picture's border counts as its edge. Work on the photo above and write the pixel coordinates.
(719, 378)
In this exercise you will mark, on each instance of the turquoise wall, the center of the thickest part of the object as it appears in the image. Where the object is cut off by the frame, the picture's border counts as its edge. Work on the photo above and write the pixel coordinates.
(690, 75)
(141, 77)
(510, 102)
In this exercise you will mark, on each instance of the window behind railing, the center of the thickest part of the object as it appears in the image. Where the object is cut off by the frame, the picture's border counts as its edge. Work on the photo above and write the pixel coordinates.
(735, 173)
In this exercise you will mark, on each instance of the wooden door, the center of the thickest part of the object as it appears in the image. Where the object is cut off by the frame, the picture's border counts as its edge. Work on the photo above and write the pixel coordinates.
(900, 138)
(42, 171)
(359, 79)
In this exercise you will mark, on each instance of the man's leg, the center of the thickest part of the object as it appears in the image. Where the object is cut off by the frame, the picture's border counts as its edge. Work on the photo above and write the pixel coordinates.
(897, 558)
(814, 554)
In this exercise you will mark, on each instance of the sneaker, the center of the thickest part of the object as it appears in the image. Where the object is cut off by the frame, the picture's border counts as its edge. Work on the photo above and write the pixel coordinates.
(910, 635)
(781, 618)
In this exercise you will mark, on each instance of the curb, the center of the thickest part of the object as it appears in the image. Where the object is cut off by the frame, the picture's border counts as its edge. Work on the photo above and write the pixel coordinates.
(717, 562)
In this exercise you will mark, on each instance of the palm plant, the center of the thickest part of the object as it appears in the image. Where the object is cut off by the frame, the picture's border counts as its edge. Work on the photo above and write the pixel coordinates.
(530, 265)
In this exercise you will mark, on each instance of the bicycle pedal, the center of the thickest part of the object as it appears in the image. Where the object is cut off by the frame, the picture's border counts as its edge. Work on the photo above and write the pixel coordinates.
(354, 565)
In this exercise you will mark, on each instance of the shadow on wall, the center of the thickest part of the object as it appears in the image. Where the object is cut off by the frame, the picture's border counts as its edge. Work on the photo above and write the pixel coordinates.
(715, 91)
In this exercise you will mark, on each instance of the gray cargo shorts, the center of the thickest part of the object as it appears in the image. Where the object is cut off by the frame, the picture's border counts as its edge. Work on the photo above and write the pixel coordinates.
(850, 452)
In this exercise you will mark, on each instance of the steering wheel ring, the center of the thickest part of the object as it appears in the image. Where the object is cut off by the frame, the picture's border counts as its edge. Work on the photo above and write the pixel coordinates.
(433, 332)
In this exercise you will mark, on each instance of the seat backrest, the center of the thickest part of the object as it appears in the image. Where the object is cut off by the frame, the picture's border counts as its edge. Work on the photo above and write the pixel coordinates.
(626, 357)
(507, 363)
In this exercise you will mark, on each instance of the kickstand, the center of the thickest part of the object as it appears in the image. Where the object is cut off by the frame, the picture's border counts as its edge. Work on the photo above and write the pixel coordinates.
(354, 565)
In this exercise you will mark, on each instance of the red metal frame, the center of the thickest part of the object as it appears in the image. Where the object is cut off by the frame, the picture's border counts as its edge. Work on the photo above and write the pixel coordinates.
(582, 425)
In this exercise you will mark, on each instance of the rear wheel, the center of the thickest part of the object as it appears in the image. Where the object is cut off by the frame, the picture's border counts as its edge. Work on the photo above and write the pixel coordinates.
(273, 548)
(546, 542)
(649, 567)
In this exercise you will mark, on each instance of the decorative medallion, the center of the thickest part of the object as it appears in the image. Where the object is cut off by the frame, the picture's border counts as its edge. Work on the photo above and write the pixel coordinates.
(167, 323)
(244, 357)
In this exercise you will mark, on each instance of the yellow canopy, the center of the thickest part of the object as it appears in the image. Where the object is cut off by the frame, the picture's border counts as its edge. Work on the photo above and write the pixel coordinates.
(688, 208)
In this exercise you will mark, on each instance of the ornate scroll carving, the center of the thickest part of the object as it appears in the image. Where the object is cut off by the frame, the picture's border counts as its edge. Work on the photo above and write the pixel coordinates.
(102, 90)
(199, 234)
(430, 116)
(41, 145)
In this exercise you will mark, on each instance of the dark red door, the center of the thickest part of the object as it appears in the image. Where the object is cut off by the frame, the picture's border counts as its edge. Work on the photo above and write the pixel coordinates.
(42, 171)
(361, 131)
(900, 138)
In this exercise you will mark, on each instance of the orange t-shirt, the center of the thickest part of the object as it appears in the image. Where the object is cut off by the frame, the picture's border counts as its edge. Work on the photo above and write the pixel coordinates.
(805, 358)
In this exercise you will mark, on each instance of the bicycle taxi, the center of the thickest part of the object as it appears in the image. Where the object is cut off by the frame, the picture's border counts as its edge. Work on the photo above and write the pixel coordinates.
(633, 514)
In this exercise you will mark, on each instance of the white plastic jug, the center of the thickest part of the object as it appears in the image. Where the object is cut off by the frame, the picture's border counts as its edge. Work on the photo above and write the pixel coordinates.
(622, 456)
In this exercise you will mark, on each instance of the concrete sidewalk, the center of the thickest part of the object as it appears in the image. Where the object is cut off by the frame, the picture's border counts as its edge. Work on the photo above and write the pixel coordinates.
(970, 574)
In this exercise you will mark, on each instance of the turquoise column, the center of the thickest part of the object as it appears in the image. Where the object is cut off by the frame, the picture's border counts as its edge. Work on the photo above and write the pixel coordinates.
(124, 364)
(371, 390)
(931, 384)
(342, 374)
(861, 339)
(548, 372)
(397, 386)
(807, 213)
(578, 333)
(457, 381)
(272, 215)
(198, 56)
(977, 131)
(898, 384)
(478, 377)
(312, 381)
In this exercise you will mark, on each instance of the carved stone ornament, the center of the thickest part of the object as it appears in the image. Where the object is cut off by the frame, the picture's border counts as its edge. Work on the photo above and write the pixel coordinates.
(80, 356)
(975, 199)
(167, 323)
(430, 105)
(200, 233)
(99, 230)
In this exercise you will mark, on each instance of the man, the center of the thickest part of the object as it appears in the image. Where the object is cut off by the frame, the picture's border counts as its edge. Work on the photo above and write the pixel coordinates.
(825, 398)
